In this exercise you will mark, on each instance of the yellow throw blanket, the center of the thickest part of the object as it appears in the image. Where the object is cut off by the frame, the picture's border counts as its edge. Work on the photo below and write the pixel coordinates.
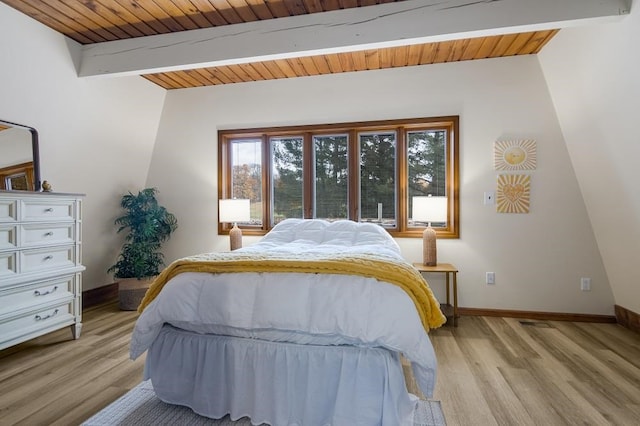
(382, 268)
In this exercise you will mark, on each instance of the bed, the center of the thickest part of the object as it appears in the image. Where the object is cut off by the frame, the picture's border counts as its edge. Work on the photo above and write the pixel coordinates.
(305, 327)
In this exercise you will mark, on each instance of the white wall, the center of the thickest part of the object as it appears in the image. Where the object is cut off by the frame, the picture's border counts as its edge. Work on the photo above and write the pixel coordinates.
(96, 136)
(592, 73)
(538, 257)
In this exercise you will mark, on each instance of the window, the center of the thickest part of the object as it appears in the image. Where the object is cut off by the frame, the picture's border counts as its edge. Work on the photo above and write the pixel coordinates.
(245, 167)
(426, 163)
(286, 177)
(331, 177)
(367, 172)
(378, 178)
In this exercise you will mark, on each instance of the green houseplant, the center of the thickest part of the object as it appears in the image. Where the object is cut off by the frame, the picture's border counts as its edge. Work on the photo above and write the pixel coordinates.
(148, 225)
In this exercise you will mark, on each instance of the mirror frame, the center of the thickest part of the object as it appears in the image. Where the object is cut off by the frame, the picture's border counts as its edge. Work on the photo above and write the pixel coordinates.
(35, 148)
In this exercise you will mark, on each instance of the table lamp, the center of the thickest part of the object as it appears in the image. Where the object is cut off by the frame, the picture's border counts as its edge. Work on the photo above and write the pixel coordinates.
(429, 209)
(234, 211)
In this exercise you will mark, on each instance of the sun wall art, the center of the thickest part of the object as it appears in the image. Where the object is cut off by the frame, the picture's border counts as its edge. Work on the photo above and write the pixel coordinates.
(513, 193)
(514, 155)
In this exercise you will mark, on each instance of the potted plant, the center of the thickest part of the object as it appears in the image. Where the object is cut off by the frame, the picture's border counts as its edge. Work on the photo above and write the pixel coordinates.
(148, 225)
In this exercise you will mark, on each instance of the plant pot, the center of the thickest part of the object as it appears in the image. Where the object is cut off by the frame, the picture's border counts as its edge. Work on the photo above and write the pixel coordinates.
(131, 291)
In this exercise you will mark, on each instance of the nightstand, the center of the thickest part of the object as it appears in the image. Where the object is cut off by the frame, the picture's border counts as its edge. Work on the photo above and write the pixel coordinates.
(447, 269)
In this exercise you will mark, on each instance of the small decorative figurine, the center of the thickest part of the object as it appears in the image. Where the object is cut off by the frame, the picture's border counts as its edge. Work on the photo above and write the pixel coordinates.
(46, 186)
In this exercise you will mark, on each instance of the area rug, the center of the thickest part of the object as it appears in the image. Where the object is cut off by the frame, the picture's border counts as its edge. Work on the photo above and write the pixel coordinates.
(140, 406)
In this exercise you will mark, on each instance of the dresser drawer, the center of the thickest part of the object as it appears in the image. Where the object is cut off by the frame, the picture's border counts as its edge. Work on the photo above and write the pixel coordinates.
(36, 210)
(40, 265)
(47, 234)
(45, 292)
(8, 210)
(8, 236)
(8, 265)
(14, 327)
(36, 260)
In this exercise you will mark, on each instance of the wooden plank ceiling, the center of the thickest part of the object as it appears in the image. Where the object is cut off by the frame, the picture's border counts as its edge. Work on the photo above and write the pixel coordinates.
(94, 21)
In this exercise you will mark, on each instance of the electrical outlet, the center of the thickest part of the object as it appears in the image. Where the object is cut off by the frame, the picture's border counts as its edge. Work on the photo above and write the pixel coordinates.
(489, 198)
(585, 284)
(491, 278)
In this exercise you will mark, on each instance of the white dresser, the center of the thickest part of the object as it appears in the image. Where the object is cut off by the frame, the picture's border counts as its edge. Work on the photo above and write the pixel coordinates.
(40, 264)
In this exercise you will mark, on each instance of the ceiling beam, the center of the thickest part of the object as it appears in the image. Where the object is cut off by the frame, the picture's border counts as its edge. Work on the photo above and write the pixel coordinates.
(385, 25)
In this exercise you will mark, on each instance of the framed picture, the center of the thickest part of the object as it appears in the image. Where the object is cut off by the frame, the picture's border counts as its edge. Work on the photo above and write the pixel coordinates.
(513, 194)
(17, 182)
(18, 177)
(514, 155)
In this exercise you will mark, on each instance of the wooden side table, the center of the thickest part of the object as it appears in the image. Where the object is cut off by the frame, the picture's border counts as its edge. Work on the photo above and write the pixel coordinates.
(447, 269)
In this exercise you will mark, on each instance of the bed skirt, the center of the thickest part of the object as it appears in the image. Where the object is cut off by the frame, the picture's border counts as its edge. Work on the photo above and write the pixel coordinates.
(279, 383)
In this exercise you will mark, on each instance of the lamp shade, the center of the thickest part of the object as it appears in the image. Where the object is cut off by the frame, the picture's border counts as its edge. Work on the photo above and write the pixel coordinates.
(429, 209)
(233, 210)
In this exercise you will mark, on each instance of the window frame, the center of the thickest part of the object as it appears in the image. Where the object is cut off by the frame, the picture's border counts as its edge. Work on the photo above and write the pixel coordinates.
(352, 129)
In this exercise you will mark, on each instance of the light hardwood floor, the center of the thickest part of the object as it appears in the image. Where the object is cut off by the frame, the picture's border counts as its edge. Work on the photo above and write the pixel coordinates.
(492, 371)
(54, 380)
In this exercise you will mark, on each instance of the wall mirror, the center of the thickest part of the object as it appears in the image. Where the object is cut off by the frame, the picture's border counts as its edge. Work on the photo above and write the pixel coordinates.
(19, 157)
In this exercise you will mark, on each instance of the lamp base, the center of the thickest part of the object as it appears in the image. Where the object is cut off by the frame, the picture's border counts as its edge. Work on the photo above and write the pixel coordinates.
(429, 254)
(235, 237)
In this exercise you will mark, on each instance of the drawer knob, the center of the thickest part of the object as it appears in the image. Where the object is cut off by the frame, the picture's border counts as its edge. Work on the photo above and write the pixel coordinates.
(47, 257)
(39, 293)
(48, 234)
(48, 210)
(42, 318)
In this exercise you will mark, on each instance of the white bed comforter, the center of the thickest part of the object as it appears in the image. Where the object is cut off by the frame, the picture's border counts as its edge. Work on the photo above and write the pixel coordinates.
(298, 307)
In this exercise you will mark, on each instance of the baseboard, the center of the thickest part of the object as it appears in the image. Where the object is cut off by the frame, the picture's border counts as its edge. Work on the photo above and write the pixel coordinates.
(627, 318)
(545, 316)
(99, 295)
